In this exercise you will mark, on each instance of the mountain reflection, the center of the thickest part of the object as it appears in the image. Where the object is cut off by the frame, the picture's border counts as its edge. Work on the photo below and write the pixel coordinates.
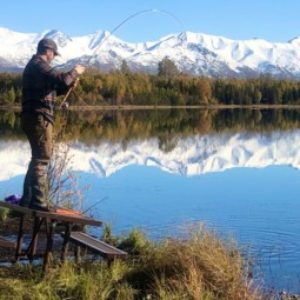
(181, 141)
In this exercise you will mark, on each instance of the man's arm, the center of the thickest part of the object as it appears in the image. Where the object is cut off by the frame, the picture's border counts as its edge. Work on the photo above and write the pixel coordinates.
(61, 81)
(63, 89)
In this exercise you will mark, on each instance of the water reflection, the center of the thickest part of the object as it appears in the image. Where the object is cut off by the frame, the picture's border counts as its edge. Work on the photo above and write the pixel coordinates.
(90, 127)
(165, 170)
(189, 156)
(258, 207)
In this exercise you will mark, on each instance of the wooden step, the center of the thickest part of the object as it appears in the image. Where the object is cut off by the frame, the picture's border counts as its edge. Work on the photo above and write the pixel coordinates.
(84, 240)
(7, 244)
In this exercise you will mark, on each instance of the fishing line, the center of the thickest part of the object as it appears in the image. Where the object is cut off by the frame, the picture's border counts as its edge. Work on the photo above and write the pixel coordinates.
(95, 204)
(139, 13)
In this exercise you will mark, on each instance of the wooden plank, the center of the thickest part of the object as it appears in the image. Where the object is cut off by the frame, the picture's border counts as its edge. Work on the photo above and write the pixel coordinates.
(18, 252)
(77, 253)
(17, 208)
(74, 218)
(7, 244)
(49, 248)
(96, 245)
(35, 235)
(67, 234)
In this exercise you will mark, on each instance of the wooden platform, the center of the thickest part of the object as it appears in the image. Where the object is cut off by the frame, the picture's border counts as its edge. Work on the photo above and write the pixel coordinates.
(7, 244)
(60, 215)
(42, 241)
(84, 240)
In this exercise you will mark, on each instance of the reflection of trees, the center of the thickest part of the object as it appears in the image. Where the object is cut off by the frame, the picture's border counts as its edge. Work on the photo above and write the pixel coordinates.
(10, 125)
(167, 143)
(166, 125)
(10, 119)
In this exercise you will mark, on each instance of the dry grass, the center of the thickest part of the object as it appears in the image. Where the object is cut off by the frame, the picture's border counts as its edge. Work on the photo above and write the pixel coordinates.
(64, 189)
(201, 267)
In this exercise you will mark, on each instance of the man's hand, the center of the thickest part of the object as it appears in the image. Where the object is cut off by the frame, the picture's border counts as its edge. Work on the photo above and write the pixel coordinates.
(65, 106)
(79, 69)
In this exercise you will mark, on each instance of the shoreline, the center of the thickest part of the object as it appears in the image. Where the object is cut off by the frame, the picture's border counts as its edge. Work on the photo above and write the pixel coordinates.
(151, 107)
(231, 275)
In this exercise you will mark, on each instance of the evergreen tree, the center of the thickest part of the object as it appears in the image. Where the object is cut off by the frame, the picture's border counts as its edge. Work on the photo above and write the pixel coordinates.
(167, 68)
(124, 67)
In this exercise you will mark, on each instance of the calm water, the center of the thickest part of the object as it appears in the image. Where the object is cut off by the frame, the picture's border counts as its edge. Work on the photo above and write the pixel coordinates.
(167, 171)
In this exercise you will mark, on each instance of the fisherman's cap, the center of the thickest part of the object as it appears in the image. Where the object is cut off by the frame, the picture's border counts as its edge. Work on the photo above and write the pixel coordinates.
(47, 44)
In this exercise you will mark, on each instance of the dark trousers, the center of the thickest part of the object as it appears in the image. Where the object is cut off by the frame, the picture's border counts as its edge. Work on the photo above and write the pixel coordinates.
(39, 132)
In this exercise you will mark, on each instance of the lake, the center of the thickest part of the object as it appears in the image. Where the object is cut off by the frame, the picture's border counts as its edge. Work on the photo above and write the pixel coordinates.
(167, 171)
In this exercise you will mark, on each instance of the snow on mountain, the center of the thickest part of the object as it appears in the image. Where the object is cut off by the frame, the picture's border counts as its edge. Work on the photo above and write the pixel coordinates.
(191, 156)
(195, 53)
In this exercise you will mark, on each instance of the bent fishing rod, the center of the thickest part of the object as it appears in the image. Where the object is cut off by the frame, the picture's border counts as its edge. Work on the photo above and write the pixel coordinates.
(139, 13)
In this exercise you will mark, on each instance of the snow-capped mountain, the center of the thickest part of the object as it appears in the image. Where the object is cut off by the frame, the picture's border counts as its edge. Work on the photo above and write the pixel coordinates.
(194, 53)
(191, 156)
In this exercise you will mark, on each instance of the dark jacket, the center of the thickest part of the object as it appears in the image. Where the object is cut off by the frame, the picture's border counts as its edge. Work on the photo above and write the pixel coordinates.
(41, 83)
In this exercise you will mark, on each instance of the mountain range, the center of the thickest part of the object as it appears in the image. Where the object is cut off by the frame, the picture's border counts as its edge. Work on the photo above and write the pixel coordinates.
(193, 53)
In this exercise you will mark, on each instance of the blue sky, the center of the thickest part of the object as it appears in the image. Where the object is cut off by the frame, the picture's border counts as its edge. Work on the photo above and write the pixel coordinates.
(274, 20)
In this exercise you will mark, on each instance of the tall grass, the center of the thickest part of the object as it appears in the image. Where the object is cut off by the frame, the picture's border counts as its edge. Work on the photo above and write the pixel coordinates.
(200, 267)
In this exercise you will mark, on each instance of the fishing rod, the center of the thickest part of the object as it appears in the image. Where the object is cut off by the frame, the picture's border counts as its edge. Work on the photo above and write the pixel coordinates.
(139, 13)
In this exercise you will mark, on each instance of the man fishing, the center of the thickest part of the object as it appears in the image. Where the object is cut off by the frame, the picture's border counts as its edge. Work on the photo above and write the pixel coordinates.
(41, 83)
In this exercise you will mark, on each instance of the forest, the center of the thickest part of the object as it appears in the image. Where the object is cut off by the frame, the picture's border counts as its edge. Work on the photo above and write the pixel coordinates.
(168, 87)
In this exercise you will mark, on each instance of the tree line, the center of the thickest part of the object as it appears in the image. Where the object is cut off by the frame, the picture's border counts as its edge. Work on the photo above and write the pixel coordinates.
(168, 87)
